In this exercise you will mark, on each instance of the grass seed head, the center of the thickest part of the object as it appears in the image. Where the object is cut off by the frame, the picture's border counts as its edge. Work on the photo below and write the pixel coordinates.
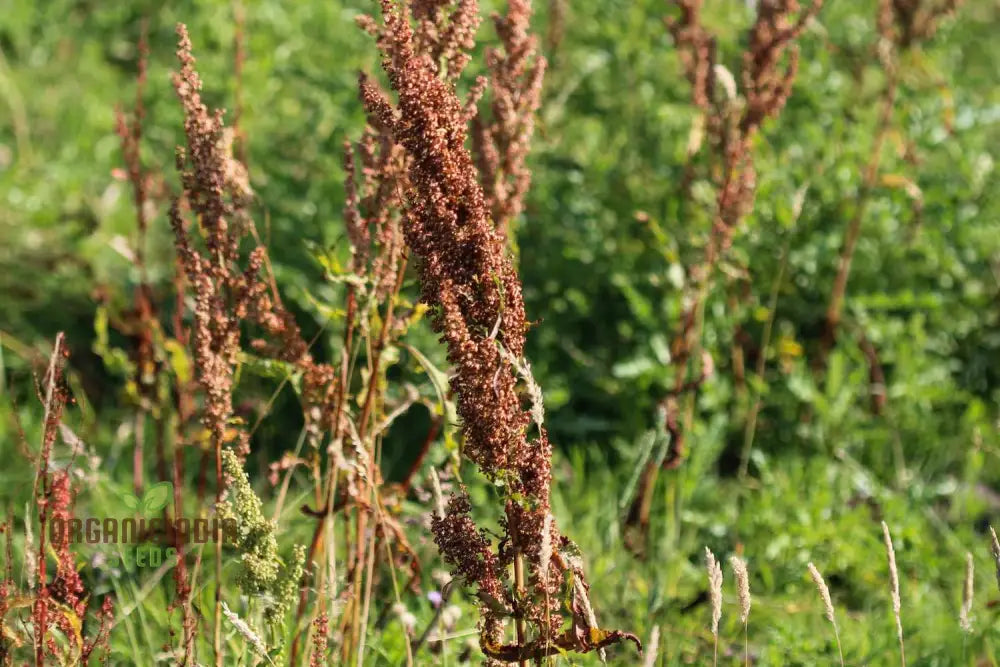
(742, 585)
(653, 648)
(893, 582)
(714, 588)
(968, 588)
(824, 593)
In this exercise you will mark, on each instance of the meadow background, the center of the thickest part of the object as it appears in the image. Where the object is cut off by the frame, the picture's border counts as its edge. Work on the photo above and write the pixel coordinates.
(899, 425)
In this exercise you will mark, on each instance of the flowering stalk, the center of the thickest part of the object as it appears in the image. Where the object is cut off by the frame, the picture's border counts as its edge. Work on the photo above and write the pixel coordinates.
(828, 610)
(60, 603)
(894, 590)
(234, 292)
(469, 280)
(901, 24)
(228, 288)
(501, 142)
(714, 570)
(731, 121)
(769, 67)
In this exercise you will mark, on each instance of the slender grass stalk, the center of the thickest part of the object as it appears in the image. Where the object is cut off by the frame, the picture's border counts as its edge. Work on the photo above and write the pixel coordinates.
(653, 648)
(995, 550)
(824, 594)
(435, 621)
(894, 590)
(964, 613)
(251, 637)
(544, 563)
(968, 589)
(750, 429)
(715, 596)
(219, 610)
(751, 425)
(743, 588)
(395, 589)
(362, 628)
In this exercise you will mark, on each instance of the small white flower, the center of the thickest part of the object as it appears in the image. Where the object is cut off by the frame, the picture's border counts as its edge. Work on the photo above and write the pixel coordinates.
(450, 615)
(406, 619)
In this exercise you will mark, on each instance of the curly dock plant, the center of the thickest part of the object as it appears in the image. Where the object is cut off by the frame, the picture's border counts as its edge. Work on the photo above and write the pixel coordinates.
(730, 117)
(469, 280)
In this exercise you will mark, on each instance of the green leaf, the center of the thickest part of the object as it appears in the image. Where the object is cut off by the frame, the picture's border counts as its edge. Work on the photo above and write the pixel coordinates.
(180, 363)
(156, 497)
(440, 381)
(131, 502)
(633, 368)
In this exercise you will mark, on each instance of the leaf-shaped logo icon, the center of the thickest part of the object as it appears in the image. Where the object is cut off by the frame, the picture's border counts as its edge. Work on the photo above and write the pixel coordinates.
(156, 497)
(130, 502)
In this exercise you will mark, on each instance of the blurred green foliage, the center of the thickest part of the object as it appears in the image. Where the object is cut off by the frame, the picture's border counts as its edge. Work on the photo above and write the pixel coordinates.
(603, 249)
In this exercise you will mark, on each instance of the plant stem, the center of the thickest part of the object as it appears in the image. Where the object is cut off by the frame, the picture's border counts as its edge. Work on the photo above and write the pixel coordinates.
(746, 644)
(422, 639)
(519, 584)
(340, 391)
(835, 307)
(751, 425)
(370, 571)
(217, 642)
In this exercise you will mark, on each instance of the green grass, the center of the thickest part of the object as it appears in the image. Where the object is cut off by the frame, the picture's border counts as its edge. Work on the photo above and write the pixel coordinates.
(601, 248)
